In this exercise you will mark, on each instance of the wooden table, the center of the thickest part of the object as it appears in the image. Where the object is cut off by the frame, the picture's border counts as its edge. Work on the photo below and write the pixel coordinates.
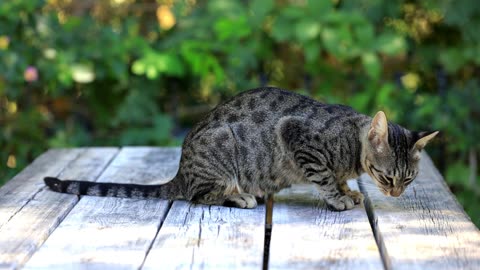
(425, 228)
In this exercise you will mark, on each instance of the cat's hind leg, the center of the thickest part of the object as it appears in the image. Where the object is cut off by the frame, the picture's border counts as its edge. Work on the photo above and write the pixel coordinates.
(218, 196)
(210, 168)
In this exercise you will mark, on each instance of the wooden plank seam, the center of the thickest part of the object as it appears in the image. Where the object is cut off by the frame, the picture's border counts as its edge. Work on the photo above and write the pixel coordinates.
(374, 224)
(40, 189)
(107, 217)
(377, 220)
(268, 229)
(306, 235)
(425, 228)
(63, 215)
(162, 219)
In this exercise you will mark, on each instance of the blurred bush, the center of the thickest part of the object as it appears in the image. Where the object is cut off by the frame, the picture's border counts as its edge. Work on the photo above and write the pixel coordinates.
(127, 72)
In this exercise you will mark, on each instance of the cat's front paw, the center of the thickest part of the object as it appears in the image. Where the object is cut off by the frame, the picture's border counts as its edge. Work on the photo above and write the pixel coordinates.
(356, 196)
(341, 204)
(242, 200)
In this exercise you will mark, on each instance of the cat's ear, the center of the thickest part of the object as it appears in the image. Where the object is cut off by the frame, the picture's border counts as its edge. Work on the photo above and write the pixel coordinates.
(378, 133)
(424, 138)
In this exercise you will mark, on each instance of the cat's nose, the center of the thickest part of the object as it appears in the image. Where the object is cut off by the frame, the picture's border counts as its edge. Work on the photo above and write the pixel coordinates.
(395, 192)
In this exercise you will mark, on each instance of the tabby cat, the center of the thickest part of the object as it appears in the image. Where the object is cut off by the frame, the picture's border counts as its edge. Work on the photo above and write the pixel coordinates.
(267, 139)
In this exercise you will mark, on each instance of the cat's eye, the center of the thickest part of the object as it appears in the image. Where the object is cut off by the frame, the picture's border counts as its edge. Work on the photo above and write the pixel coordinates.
(408, 180)
(386, 180)
(383, 180)
(390, 179)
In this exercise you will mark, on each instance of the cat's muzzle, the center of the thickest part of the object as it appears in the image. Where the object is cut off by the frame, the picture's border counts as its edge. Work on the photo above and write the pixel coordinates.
(395, 192)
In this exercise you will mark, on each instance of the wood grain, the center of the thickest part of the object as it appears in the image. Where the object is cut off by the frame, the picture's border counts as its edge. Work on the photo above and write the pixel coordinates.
(102, 233)
(143, 165)
(17, 192)
(305, 235)
(22, 234)
(112, 233)
(425, 228)
(209, 237)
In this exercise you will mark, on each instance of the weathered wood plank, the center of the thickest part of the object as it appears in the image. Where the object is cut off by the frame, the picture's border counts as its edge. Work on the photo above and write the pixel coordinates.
(17, 192)
(425, 228)
(209, 237)
(102, 233)
(143, 165)
(40, 215)
(111, 233)
(306, 235)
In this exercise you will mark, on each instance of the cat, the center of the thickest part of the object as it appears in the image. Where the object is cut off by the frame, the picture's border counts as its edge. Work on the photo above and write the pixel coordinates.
(266, 139)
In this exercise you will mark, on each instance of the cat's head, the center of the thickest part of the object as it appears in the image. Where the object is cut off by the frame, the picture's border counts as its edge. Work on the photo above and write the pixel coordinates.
(391, 154)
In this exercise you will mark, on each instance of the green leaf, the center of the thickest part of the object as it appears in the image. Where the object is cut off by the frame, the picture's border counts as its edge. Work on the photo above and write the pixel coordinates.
(364, 34)
(137, 107)
(157, 132)
(152, 72)
(225, 7)
(228, 28)
(330, 38)
(307, 29)
(293, 12)
(391, 44)
(383, 94)
(202, 60)
(154, 63)
(452, 59)
(311, 50)
(319, 7)
(458, 173)
(338, 41)
(260, 9)
(282, 29)
(138, 67)
(372, 65)
(170, 64)
(214, 66)
(136, 136)
(163, 126)
(359, 101)
(59, 140)
(337, 17)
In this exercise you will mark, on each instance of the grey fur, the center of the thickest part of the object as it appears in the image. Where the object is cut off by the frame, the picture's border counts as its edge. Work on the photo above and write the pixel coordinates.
(267, 139)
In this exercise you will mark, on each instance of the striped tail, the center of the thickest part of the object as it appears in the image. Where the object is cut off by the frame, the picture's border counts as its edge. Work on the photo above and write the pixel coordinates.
(166, 191)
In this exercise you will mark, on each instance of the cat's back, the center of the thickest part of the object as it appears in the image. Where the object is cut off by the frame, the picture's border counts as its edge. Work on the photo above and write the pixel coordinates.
(256, 112)
(264, 106)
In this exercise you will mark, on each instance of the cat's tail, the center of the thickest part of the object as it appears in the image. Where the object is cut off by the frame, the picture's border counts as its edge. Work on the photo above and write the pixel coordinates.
(170, 190)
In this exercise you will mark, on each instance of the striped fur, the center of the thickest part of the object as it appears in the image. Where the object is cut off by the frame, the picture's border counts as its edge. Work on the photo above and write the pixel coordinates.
(266, 139)
(166, 191)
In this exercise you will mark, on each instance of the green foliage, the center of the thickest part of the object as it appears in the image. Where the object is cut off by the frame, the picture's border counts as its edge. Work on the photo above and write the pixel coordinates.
(71, 76)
